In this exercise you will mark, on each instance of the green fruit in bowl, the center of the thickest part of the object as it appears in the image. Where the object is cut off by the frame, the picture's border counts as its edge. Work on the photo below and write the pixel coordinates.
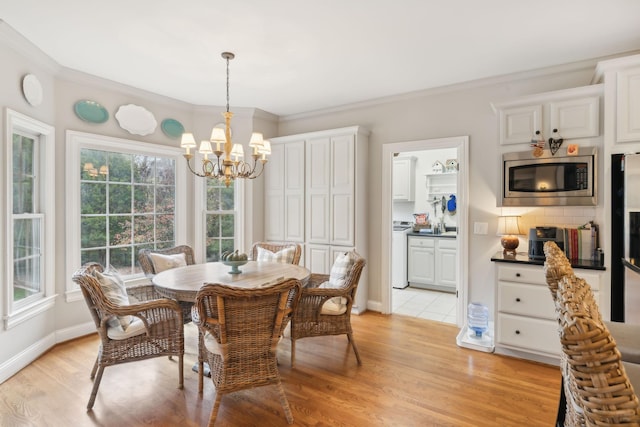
(235, 256)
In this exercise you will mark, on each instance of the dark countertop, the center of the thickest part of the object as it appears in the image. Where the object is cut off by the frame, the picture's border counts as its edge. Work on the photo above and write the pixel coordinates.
(523, 258)
(447, 235)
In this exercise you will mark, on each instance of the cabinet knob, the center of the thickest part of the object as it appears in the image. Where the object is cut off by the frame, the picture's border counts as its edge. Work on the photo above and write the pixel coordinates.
(517, 332)
(517, 299)
(517, 274)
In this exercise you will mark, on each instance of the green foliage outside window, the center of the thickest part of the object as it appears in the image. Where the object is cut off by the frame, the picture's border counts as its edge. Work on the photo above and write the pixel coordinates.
(127, 204)
(27, 223)
(220, 219)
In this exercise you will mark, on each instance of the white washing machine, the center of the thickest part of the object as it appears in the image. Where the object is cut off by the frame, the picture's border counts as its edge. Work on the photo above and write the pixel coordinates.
(399, 254)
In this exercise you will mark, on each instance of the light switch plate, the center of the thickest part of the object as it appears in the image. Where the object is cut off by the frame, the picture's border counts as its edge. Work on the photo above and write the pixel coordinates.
(480, 227)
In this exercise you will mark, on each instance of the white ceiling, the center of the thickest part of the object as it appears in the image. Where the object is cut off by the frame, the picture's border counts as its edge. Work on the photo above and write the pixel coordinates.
(295, 56)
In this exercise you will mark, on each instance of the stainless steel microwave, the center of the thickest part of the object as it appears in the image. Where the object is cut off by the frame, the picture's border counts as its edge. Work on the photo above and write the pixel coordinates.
(549, 180)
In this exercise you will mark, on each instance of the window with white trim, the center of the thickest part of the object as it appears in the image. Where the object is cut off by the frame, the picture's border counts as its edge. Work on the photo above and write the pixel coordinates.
(220, 218)
(30, 156)
(124, 196)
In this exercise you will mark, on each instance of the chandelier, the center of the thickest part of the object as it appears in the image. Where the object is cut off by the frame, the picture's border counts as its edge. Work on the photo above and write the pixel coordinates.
(228, 164)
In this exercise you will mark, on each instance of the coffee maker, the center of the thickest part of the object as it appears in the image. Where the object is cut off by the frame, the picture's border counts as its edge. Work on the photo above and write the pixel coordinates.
(539, 235)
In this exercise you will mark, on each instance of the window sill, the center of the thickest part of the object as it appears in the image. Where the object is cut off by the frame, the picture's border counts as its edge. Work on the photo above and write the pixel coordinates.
(28, 312)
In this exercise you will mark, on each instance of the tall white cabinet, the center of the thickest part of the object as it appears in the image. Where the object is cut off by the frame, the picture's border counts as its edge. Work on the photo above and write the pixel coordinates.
(284, 193)
(331, 173)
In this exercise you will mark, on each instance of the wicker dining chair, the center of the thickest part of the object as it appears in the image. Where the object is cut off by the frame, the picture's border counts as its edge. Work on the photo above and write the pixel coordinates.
(156, 328)
(151, 268)
(598, 386)
(275, 252)
(241, 329)
(313, 317)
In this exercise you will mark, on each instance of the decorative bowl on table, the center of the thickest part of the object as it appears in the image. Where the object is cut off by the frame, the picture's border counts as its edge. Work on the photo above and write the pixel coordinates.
(234, 265)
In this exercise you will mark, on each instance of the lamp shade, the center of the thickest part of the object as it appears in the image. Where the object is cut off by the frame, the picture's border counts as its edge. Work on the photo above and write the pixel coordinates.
(509, 226)
(187, 140)
(218, 135)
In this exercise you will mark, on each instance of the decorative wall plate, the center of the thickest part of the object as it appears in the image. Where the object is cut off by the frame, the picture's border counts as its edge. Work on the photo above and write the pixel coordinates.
(32, 90)
(172, 128)
(91, 111)
(136, 120)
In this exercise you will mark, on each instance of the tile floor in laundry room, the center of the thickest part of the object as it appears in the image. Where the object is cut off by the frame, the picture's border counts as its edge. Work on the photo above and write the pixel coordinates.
(425, 304)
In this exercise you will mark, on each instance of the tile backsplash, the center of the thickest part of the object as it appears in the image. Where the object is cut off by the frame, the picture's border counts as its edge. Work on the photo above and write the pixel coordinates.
(563, 217)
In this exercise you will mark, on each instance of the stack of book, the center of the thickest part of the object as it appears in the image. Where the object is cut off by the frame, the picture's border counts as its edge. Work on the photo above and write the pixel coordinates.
(581, 242)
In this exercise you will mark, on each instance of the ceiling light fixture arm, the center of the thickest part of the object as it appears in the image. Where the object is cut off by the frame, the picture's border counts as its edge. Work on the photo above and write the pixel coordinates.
(228, 164)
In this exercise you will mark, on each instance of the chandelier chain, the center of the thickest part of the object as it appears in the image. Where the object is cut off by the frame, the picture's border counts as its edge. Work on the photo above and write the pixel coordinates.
(227, 84)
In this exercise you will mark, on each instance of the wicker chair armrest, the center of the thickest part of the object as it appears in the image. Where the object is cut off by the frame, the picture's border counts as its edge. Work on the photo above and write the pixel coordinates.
(149, 311)
(316, 279)
(326, 292)
(312, 300)
(144, 292)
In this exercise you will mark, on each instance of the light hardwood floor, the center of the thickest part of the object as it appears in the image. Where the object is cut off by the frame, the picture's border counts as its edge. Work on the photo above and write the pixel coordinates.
(413, 374)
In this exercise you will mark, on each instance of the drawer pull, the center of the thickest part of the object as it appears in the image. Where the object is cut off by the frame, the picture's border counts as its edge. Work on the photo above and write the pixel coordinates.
(517, 332)
(517, 299)
(517, 274)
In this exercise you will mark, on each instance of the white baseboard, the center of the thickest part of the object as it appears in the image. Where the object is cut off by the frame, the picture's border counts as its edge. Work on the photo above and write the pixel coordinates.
(25, 357)
(75, 331)
(37, 349)
(374, 306)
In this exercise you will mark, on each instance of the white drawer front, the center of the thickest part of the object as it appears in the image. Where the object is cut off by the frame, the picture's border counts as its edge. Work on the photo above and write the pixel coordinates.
(526, 300)
(529, 334)
(425, 242)
(533, 275)
(447, 243)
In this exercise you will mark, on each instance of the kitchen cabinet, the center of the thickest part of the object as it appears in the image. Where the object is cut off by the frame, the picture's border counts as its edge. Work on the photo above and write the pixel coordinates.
(519, 124)
(332, 184)
(421, 262)
(628, 105)
(446, 259)
(404, 179)
(574, 112)
(284, 192)
(431, 262)
(525, 318)
(621, 77)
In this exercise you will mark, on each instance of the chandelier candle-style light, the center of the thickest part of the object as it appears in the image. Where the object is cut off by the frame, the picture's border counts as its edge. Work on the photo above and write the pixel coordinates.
(228, 164)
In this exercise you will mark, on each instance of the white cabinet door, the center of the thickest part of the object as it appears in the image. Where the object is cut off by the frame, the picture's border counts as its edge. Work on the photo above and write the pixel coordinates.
(284, 193)
(519, 124)
(446, 259)
(342, 206)
(421, 261)
(318, 171)
(274, 194)
(628, 106)
(318, 259)
(404, 179)
(575, 118)
(294, 192)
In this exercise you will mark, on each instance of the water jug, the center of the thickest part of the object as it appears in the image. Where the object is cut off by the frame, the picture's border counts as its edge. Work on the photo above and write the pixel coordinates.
(478, 318)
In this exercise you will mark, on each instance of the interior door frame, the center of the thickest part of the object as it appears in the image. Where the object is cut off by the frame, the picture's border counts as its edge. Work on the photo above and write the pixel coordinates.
(461, 144)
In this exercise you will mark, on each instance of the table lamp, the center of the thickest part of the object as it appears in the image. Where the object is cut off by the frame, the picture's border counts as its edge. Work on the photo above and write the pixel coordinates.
(509, 229)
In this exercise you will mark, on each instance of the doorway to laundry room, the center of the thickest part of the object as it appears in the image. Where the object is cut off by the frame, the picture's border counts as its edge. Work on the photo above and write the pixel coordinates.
(427, 223)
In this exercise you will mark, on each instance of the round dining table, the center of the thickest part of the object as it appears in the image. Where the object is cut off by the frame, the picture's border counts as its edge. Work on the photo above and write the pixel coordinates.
(183, 283)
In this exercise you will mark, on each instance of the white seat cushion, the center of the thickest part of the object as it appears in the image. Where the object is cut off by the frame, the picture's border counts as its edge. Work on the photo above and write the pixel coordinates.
(331, 308)
(136, 327)
(337, 305)
(163, 262)
(284, 256)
